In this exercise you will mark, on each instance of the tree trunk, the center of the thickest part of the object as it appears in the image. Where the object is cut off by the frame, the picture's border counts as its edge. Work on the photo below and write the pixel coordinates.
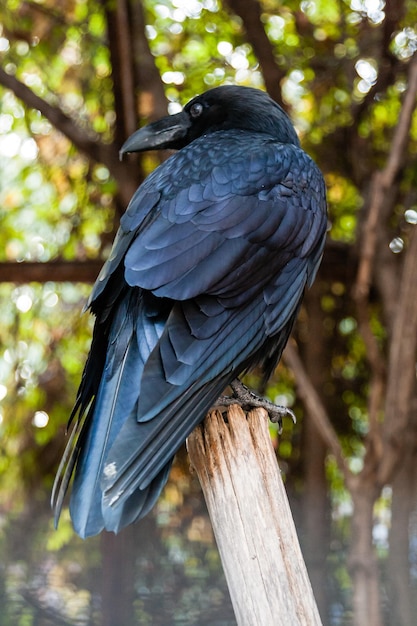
(315, 499)
(316, 516)
(118, 554)
(363, 565)
(398, 574)
(252, 521)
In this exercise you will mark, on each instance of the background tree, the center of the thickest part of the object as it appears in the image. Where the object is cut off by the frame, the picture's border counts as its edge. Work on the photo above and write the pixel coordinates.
(77, 78)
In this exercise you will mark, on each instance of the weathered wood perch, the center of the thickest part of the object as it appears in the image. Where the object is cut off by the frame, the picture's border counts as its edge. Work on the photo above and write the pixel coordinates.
(252, 521)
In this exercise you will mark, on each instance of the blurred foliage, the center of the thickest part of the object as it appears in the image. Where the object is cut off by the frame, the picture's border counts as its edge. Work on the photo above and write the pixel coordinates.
(54, 202)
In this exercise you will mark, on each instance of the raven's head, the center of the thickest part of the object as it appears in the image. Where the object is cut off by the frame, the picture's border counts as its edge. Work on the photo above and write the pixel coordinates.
(222, 108)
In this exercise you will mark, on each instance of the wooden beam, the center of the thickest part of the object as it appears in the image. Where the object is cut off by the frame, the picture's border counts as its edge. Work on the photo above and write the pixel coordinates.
(58, 271)
(252, 521)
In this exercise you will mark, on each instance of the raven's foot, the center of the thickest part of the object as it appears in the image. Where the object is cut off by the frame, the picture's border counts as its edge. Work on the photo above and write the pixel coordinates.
(248, 399)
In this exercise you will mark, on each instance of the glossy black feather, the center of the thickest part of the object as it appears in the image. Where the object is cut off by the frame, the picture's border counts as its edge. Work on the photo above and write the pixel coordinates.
(204, 281)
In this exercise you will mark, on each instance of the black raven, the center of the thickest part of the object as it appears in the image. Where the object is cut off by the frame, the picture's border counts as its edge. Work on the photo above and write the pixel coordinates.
(204, 281)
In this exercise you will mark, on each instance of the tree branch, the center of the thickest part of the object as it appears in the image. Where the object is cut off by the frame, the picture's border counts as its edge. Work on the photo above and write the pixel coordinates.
(387, 62)
(153, 102)
(47, 613)
(315, 408)
(87, 142)
(382, 181)
(121, 54)
(380, 204)
(250, 13)
(401, 367)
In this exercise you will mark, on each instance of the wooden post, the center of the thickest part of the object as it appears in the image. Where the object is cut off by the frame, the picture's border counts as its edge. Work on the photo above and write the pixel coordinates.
(252, 520)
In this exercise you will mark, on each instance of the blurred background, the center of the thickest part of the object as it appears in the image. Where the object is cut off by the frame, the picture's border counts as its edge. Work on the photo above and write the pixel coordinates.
(76, 78)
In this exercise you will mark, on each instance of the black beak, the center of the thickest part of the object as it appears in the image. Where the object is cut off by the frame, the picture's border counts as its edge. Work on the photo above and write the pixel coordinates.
(165, 133)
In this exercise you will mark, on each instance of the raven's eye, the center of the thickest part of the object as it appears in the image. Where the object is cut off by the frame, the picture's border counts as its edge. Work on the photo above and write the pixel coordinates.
(196, 109)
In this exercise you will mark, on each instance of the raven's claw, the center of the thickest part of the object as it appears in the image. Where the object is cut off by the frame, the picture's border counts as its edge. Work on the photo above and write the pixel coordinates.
(248, 399)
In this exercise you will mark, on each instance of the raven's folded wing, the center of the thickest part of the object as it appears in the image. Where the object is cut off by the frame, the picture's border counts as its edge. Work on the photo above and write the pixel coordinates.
(223, 237)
